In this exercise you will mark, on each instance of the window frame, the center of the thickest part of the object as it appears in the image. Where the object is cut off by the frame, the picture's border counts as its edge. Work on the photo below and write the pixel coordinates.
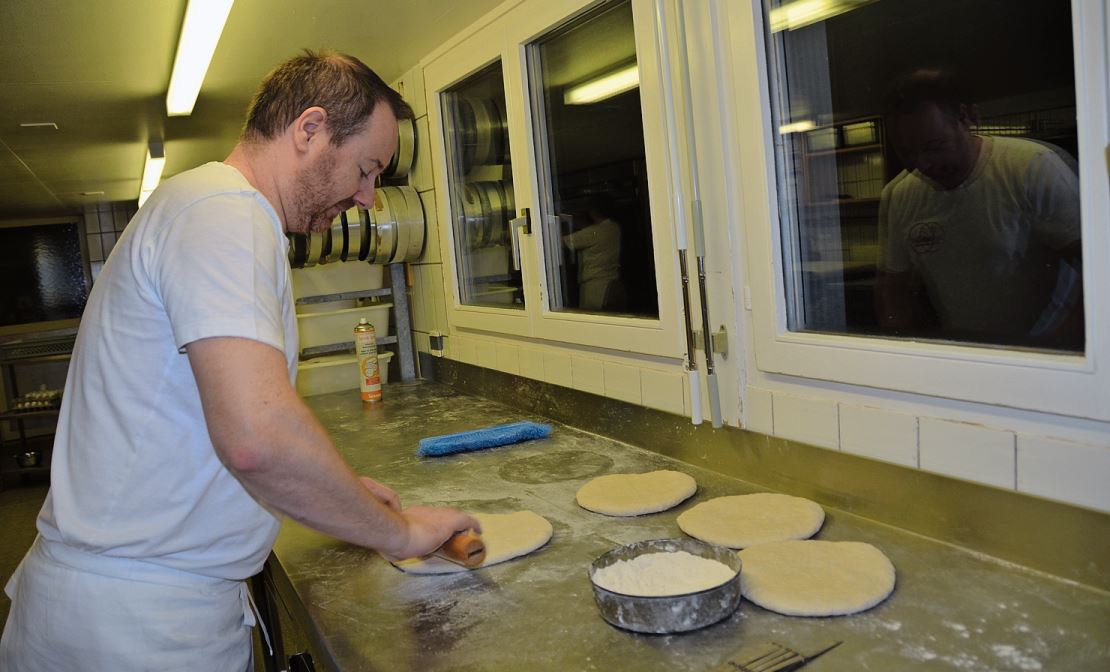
(1064, 384)
(508, 37)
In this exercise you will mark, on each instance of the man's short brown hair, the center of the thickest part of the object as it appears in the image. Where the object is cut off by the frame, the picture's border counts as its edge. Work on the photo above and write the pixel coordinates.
(341, 84)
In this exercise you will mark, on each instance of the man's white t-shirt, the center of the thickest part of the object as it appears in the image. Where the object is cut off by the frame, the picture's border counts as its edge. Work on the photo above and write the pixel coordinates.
(135, 475)
(985, 250)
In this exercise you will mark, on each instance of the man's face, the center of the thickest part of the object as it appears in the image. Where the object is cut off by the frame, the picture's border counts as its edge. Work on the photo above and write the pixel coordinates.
(935, 143)
(339, 177)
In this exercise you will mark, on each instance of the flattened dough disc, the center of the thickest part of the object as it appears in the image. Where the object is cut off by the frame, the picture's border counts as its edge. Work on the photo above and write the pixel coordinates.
(739, 521)
(506, 535)
(636, 494)
(816, 578)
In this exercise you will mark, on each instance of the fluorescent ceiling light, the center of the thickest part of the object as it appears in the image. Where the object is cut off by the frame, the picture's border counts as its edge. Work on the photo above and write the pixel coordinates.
(200, 32)
(152, 170)
(801, 13)
(605, 86)
(797, 127)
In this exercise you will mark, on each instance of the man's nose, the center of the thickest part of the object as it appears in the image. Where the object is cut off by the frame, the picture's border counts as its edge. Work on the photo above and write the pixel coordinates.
(365, 197)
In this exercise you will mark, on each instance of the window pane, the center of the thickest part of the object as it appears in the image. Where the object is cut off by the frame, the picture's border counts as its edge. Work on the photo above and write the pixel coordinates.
(42, 272)
(927, 161)
(480, 180)
(590, 143)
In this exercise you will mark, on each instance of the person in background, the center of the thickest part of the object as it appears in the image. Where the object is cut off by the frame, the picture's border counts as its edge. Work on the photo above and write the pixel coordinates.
(598, 245)
(979, 236)
(182, 440)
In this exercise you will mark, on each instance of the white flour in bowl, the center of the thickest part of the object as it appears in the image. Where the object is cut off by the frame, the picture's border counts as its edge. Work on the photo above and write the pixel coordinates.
(659, 574)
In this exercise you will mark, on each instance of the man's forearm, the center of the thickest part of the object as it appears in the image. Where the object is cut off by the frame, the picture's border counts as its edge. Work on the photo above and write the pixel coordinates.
(272, 443)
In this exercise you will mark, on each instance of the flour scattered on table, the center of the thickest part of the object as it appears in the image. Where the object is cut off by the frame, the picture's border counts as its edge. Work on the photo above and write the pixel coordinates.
(659, 574)
(1016, 657)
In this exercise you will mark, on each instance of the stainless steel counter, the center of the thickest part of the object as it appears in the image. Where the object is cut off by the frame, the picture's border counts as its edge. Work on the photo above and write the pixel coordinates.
(951, 609)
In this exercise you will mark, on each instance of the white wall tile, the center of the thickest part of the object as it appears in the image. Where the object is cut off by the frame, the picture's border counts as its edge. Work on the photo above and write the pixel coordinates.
(1071, 472)
(432, 252)
(806, 419)
(420, 342)
(119, 219)
(663, 390)
(508, 358)
(461, 348)
(587, 374)
(882, 435)
(622, 382)
(96, 250)
(556, 369)
(421, 176)
(758, 413)
(971, 452)
(486, 352)
(92, 220)
(531, 363)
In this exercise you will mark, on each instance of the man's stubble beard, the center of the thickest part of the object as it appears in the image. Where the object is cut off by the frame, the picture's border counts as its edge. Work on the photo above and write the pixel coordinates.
(311, 200)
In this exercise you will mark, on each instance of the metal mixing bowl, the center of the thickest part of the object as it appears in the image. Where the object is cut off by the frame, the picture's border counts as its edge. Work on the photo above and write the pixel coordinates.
(669, 613)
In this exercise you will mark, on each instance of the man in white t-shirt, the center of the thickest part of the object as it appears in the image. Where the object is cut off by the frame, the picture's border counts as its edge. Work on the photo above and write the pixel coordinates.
(980, 236)
(181, 438)
(598, 245)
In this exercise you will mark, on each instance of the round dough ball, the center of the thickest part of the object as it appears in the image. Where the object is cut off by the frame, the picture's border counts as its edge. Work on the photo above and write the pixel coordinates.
(816, 578)
(636, 494)
(740, 521)
(506, 536)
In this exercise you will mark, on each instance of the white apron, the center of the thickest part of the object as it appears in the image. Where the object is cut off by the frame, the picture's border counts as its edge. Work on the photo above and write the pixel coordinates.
(73, 610)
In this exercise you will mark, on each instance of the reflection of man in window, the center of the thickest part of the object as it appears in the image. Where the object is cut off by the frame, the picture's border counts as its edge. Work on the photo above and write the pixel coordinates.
(987, 227)
(598, 245)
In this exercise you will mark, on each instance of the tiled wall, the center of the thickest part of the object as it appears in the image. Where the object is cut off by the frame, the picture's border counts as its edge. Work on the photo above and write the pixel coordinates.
(104, 222)
(1071, 471)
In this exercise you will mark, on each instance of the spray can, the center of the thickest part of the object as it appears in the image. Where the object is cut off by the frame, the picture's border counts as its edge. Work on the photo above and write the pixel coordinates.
(366, 348)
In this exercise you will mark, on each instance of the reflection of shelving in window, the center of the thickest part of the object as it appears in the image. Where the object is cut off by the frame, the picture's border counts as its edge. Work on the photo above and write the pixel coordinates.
(844, 162)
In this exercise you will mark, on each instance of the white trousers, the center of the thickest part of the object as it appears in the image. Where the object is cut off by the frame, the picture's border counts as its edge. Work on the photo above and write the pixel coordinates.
(69, 617)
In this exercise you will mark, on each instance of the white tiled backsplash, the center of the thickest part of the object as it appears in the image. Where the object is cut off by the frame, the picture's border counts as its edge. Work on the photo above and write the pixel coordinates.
(1067, 471)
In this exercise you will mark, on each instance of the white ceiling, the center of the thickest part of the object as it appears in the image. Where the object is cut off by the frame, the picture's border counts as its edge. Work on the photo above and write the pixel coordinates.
(99, 70)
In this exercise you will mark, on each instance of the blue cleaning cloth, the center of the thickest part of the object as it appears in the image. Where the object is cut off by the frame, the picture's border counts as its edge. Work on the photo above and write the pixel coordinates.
(488, 437)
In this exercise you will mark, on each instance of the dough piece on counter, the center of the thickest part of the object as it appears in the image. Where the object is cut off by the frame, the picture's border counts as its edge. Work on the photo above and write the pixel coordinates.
(816, 578)
(740, 521)
(506, 535)
(636, 494)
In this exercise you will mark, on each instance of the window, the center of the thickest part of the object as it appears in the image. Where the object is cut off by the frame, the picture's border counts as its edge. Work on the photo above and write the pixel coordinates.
(927, 155)
(812, 211)
(581, 249)
(480, 182)
(589, 136)
(44, 262)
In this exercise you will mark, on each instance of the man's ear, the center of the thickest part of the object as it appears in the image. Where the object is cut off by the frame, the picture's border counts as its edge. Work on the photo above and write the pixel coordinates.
(309, 127)
(969, 114)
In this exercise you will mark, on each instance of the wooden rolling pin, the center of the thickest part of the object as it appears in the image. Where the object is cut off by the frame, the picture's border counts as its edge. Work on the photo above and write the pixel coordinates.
(463, 548)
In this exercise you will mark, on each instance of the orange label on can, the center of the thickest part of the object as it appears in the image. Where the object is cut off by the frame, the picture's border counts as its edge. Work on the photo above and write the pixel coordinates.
(366, 348)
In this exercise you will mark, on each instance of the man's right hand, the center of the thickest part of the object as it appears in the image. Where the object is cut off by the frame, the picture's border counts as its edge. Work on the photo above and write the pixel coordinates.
(428, 528)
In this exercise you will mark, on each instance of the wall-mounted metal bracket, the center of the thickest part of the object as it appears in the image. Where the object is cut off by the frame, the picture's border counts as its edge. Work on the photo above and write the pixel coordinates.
(720, 341)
